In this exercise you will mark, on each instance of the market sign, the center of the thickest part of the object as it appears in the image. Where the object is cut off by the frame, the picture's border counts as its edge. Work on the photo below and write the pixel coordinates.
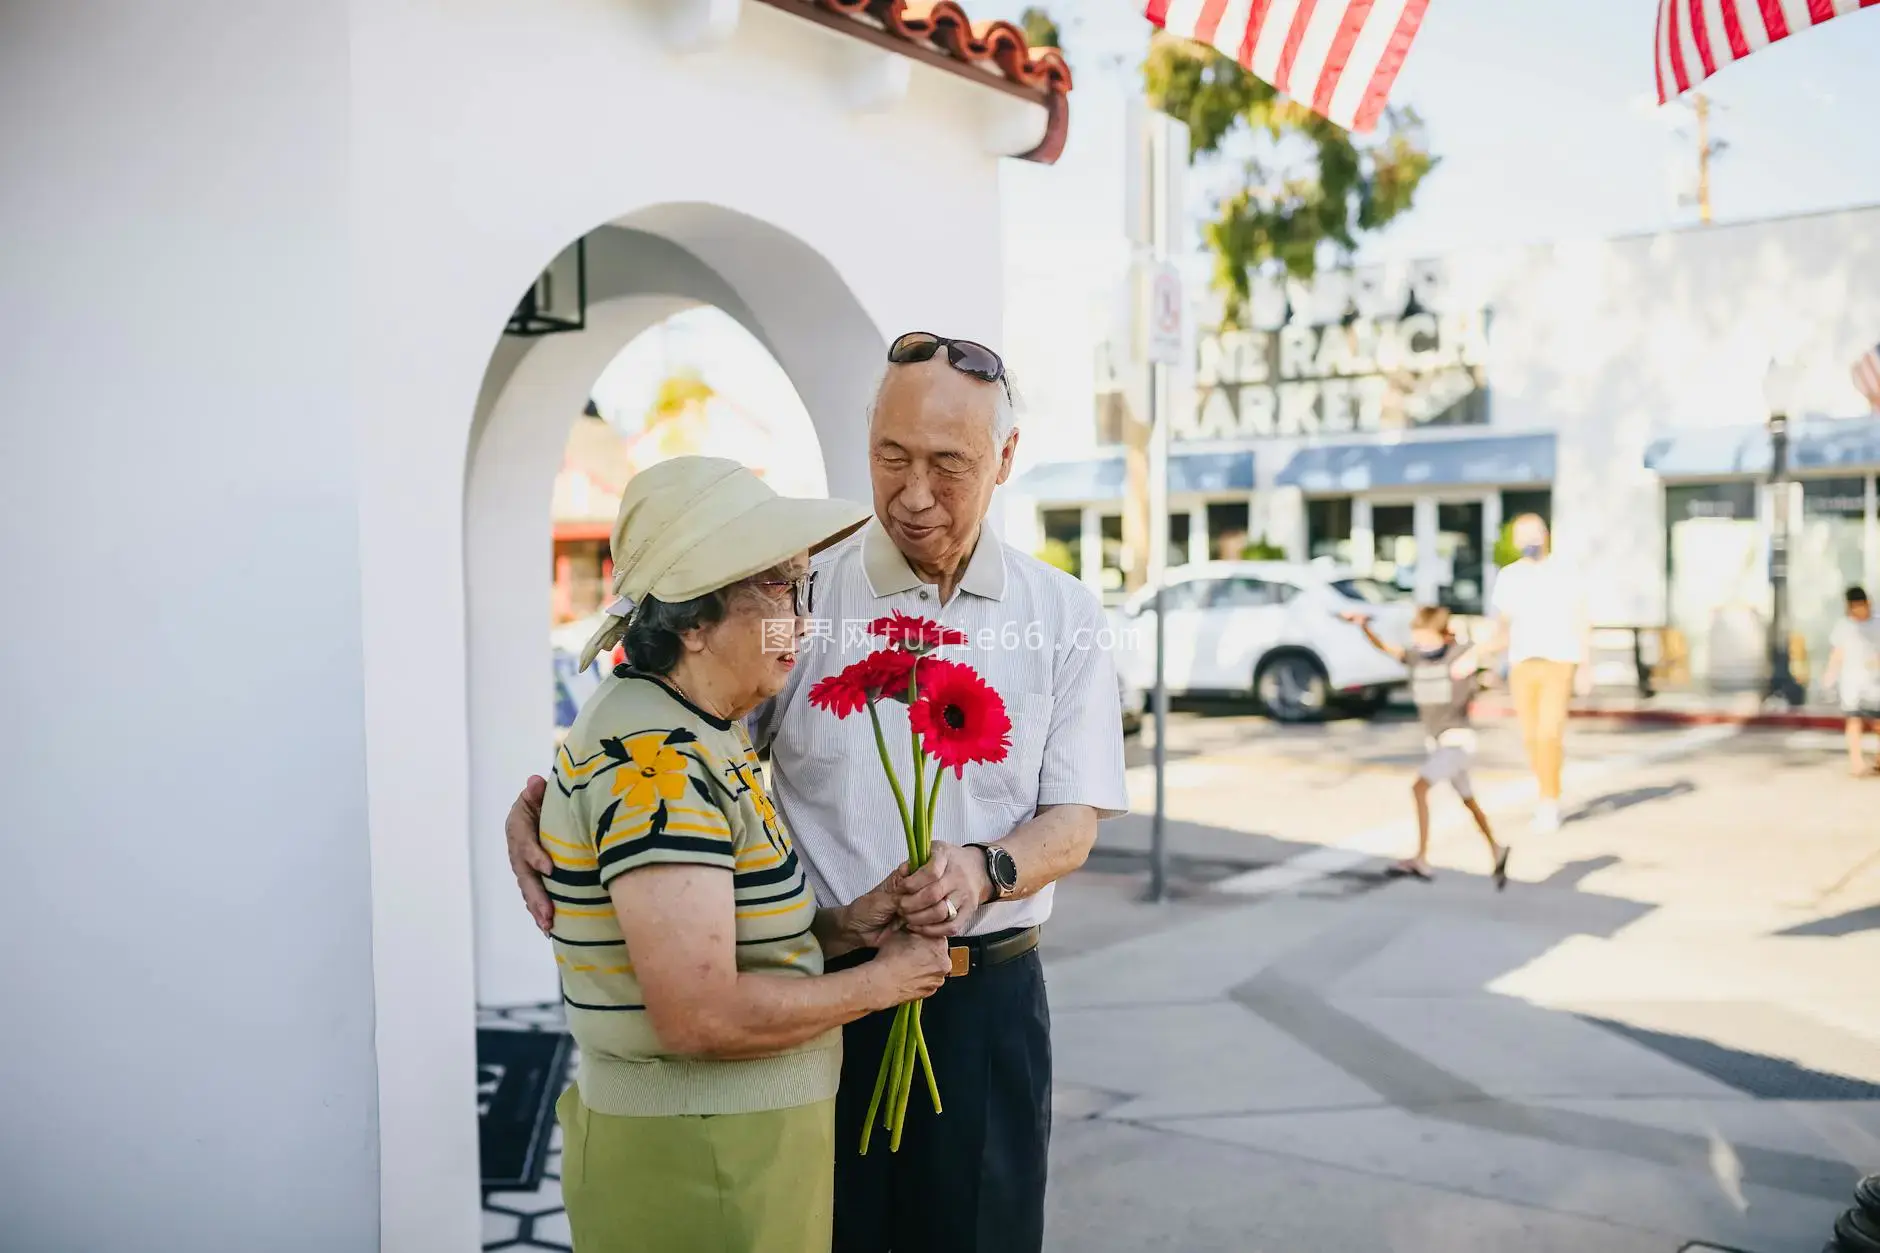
(1345, 355)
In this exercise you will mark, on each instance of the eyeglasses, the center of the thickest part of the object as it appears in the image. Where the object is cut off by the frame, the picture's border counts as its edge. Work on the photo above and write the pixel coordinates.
(962, 354)
(802, 592)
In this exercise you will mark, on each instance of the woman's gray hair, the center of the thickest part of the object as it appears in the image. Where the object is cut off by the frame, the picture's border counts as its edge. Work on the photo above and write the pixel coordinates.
(655, 628)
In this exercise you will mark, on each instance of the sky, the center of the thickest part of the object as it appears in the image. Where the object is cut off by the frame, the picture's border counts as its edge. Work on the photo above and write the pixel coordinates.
(1545, 117)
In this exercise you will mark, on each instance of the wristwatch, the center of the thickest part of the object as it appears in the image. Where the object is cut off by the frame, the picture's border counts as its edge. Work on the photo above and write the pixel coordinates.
(1001, 870)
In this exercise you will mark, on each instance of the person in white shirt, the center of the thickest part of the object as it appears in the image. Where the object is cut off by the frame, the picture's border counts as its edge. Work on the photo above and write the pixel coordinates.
(1853, 672)
(1540, 614)
(942, 435)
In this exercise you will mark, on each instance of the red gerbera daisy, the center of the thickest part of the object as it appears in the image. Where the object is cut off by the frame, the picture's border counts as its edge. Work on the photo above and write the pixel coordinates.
(916, 635)
(959, 717)
(883, 672)
(841, 694)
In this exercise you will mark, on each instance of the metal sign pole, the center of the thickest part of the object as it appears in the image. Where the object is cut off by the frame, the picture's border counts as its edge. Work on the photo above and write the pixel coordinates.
(1158, 490)
(1158, 160)
(1168, 157)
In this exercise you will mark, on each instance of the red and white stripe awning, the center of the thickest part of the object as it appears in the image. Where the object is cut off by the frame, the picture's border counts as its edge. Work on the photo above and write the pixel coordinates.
(1696, 38)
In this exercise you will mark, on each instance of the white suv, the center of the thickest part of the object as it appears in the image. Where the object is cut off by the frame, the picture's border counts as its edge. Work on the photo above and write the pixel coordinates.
(1269, 630)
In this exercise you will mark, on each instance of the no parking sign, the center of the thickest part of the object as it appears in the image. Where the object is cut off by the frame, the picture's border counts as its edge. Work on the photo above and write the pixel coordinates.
(1166, 312)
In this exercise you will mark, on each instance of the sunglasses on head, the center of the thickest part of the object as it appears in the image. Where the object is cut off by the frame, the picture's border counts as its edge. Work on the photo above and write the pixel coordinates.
(962, 354)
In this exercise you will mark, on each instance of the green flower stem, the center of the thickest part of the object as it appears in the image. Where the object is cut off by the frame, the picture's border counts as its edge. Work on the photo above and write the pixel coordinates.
(917, 846)
(907, 1077)
(897, 1047)
(900, 798)
(881, 1083)
(933, 803)
(926, 1063)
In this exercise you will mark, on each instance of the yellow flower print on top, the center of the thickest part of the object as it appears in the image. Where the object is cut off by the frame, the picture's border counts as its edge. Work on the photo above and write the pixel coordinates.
(767, 811)
(654, 771)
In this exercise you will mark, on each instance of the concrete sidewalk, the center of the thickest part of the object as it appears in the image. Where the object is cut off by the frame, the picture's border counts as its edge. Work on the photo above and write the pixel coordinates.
(1665, 1032)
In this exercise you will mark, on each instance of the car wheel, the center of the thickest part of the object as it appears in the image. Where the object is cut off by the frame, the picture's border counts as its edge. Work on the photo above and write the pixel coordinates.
(1291, 687)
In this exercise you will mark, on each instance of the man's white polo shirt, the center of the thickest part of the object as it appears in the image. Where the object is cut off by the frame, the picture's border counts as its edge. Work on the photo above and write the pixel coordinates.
(1034, 633)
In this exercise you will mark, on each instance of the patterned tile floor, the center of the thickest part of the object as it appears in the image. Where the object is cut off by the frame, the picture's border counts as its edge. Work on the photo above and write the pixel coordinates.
(528, 1220)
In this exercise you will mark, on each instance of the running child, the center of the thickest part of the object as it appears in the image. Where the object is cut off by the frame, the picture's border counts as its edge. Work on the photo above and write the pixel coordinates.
(1443, 680)
(1854, 668)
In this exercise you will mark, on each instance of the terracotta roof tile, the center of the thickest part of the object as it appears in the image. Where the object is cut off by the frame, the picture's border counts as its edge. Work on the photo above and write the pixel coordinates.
(935, 29)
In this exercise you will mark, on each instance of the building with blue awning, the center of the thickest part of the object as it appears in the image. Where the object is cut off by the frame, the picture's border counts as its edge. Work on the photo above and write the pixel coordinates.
(1395, 418)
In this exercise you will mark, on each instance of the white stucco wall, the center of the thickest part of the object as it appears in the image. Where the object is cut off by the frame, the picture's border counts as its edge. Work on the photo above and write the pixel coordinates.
(449, 171)
(1611, 343)
(186, 1004)
(261, 259)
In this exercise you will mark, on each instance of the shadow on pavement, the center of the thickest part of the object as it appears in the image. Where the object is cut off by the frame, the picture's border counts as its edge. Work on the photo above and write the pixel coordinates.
(1849, 923)
(1575, 873)
(1753, 1074)
(1613, 802)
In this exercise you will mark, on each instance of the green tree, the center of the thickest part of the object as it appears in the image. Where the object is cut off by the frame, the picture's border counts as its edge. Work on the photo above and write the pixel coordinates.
(1288, 210)
(1059, 553)
(1506, 554)
(1040, 30)
(1262, 549)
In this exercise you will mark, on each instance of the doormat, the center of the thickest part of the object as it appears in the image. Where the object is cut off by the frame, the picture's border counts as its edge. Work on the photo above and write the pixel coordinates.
(520, 1075)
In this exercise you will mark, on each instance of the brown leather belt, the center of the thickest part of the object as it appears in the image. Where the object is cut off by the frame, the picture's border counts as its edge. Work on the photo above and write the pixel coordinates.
(976, 952)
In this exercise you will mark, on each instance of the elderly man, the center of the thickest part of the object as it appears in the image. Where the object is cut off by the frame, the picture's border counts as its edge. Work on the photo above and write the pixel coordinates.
(942, 435)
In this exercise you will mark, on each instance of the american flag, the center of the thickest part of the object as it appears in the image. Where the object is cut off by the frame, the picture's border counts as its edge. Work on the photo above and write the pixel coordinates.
(1337, 56)
(1867, 376)
(1696, 38)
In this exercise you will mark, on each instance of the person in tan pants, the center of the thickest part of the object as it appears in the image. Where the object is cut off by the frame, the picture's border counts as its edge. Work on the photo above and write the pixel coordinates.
(1542, 619)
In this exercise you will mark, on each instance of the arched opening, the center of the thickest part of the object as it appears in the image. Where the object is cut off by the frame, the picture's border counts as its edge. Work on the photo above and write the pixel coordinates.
(677, 293)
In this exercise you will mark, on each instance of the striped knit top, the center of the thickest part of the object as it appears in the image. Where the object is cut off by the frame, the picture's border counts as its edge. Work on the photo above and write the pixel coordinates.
(647, 778)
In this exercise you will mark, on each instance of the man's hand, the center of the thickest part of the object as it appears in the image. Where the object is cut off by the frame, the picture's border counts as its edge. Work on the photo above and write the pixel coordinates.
(522, 829)
(952, 875)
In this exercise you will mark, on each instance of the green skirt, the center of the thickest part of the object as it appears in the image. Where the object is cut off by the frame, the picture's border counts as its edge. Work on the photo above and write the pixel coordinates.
(720, 1183)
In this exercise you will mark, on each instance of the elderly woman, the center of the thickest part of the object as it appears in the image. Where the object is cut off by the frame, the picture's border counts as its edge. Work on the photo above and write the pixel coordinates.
(690, 948)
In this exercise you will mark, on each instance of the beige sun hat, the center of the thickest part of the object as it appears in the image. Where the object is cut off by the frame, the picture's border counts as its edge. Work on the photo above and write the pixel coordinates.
(692, 525)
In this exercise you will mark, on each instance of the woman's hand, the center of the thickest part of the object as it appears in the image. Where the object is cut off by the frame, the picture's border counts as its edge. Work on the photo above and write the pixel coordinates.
(910, 967)
(868, 918)
(865, 921)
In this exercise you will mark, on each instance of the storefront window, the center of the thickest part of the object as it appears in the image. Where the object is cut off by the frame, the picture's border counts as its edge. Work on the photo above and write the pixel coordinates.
(1826, 557)
(1459, 556)
(1227, 529)
(1717, 584)
(1063, 540)
(1328, 529)
(1396, 561)
(1514, 504)
(1178, 533)
(1112, 531)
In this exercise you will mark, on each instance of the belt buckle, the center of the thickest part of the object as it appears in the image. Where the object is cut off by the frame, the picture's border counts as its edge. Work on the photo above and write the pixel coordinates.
(962, 961)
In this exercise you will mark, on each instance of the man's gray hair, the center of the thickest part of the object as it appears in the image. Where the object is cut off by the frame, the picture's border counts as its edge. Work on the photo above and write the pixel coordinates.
(1005, 405)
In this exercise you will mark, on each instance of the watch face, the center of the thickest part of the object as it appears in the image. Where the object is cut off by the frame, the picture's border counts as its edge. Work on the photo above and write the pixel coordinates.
(1003, 869)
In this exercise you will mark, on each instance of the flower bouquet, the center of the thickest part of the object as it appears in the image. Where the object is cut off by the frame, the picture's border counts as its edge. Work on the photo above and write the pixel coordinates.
(954, 718)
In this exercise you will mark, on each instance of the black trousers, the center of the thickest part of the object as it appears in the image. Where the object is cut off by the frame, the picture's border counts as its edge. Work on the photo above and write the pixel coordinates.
(970, 1180)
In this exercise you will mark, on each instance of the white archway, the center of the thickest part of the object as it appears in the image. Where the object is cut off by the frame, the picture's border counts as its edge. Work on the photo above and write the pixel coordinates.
(637, 278)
